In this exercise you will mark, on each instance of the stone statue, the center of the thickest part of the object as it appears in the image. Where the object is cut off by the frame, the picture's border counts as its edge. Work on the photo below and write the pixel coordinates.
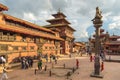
(98, 17)
(98, 13)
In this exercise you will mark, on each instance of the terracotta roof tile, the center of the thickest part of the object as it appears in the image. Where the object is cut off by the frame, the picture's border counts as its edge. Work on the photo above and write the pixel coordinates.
(3, 7)
(113, 43)
(56, 19)
(27, 31)
(59, 13)
(59, 25)
(114, 36)
(8, 17)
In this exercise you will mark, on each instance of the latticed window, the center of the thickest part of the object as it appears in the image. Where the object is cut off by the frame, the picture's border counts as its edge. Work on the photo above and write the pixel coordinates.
(53, 48)
(50, 48)
(31, 47)
(24, 48)
(46, 47)
(15, 47)
(37, 40)
(4, 47)
(24, 38)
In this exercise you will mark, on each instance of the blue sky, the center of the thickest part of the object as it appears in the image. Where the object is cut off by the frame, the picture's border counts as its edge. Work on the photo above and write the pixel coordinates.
(78, 12)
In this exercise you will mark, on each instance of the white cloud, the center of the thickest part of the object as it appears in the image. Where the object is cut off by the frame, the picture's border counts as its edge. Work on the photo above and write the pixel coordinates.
(29, 16)
(116, 18)
(115, 23)
(106, 16)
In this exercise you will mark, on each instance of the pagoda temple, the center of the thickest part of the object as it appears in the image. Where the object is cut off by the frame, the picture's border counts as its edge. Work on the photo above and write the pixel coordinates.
(102, 37)
(110, 44)
(65, 31)
(20, 38)
(113, 46)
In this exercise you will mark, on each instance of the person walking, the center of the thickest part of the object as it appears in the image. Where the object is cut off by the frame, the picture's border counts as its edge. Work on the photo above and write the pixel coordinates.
(30, 62)
(3, 60)
(46, 57)
(40, 64)
(102, 66)
(77, 63)
(50, 58)
(55, 59)
(91, 58)
(4, 75)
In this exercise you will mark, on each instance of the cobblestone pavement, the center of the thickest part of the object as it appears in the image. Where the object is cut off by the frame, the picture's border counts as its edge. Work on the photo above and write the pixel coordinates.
(111, 72)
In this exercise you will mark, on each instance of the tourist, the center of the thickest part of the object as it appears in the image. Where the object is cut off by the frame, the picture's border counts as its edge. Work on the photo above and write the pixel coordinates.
(46, 57)
(55, 59)
(22, 63)
(40, 64)
(4, 75)
(77, 63)
(50, 58)
(102, 66)
(91, 58)
(30, 61)
(3, 60)
(102, 55)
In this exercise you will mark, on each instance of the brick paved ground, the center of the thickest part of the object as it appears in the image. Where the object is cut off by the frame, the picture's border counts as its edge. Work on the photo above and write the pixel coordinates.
(111, 72)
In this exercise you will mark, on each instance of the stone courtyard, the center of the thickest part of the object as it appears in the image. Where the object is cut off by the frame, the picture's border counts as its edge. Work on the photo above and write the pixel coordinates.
(111, 71)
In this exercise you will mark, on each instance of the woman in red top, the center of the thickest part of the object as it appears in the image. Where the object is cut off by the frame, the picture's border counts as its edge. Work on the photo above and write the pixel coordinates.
(77, 63)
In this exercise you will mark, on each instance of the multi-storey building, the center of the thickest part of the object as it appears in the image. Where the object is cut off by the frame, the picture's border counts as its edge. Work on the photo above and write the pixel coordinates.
(78, 47)
(65, 30)
(20, 38)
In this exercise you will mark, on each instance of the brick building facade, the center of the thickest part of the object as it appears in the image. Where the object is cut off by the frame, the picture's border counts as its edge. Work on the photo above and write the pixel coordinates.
(20, 38)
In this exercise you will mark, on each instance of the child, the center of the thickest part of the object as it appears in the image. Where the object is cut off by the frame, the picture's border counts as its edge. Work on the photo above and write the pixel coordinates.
(102, 66)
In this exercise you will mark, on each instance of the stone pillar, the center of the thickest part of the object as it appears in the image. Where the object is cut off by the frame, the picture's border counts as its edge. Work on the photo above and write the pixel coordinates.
(97, 24)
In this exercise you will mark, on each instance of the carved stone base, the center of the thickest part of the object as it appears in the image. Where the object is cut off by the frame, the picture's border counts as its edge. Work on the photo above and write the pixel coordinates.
(97, 76)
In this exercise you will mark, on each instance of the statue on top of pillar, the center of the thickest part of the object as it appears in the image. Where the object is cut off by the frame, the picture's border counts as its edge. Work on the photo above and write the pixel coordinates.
(98, 13)
(98, 17)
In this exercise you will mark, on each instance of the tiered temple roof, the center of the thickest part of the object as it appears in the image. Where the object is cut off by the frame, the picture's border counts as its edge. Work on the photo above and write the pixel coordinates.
(114, 36)
(59, 13)
(3, 7)
(101, 30)
(101, 33)
(77, 44)
(59, 17)
(59, 25)
(113, 43)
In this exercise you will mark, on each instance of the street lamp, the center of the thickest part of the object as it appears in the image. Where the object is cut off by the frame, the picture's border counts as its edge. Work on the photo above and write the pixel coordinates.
(97, 21)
